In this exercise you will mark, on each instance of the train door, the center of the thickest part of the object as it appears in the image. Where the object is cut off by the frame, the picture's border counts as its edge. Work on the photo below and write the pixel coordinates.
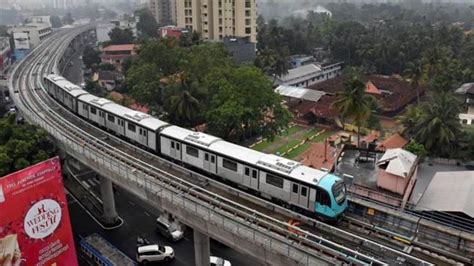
(247, 176)
(295, 194)
(175, 150)
(304, 195)
(209, 162)
(254, 179)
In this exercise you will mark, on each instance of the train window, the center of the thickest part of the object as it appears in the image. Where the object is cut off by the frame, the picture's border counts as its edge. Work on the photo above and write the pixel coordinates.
(84, 106)
(206, 157)
(145, 133)
(111, 118)
(274, 180)
(254, 174)
(295, 188)
(192, 151)
(304, 191)
(93, 110)
(247, 171)
(131, 127)
(140, 131)
(177, 146)
(322, 197)
(172, 144)
(229, 165)
(212, 159)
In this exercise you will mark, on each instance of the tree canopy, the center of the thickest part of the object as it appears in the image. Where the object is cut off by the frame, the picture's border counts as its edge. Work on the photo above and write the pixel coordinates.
(121, 36)
(200, 84)
(147, 27)
(22, 145)
(56, 22)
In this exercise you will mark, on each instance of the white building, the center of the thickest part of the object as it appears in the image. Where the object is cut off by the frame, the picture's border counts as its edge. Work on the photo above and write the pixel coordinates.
(36, 33)
(307, 75)
(102, 31)
(164, 11)
(467, 92)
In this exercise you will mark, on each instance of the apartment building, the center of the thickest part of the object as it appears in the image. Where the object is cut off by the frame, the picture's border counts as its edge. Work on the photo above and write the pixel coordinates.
(216, 19)
(164, 11)
(36, 33)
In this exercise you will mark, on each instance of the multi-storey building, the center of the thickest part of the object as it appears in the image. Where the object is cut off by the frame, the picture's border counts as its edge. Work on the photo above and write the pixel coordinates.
(215, 19)
(36, 32)
(164, 11)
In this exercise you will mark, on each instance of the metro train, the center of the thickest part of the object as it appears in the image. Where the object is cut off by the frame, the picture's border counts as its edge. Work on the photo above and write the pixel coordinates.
(304, 189)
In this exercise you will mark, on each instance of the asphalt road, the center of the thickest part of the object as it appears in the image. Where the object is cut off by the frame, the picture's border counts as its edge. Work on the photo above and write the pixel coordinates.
(139, 219)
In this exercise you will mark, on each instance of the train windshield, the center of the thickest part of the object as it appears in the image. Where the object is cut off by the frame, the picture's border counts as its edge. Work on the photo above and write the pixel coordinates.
(339, 191)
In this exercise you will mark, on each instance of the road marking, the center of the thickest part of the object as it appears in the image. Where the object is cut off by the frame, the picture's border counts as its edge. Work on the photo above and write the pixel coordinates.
(85, 184)
(147, 214)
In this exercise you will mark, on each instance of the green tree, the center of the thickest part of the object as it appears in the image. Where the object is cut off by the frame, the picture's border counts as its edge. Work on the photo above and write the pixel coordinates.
(282, 64)
(244, 104)
(121, 36)
(182, 107)
(438, 127)
(90, 56)
(147, 27)
(416, 148)
(409, 120)
(354, 104)
(56, 22)
(22, 145)
(415, 72)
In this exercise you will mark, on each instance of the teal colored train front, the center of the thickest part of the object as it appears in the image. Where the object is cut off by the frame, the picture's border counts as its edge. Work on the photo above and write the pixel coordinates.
(335, 204)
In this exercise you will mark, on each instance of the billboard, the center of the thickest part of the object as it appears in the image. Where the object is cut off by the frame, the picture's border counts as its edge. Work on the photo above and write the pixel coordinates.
(34, 218)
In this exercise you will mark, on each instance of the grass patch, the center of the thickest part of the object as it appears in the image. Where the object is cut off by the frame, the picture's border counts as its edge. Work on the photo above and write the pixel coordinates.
(296, 152)
(286, 146)
(321, 137)
(264, 144)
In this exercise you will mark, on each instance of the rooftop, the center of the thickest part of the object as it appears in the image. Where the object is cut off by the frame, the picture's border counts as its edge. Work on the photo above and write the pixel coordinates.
(119, 47)
(299, 93)
(400, 162)
(466, 88)
(299, 72)
(393, 92)
(393, 142)
(450, 192)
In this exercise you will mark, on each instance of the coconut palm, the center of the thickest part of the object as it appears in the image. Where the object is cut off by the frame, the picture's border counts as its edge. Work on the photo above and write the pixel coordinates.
(183, 106)
(281, 64)
(438, 127)
(415, 72)
(353, 103)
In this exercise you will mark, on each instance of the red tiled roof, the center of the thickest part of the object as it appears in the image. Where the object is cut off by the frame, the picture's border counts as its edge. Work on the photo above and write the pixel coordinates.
(396, 93)
(119, 47)
(371, 88)
(323, 108)
(470, 90)
(393, 142)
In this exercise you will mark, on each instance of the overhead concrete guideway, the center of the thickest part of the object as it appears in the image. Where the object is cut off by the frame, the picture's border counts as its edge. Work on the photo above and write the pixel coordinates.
(266, 239)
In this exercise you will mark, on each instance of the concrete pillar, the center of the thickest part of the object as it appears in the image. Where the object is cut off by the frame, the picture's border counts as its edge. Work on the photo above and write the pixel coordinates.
(201, 248)
(108, 202)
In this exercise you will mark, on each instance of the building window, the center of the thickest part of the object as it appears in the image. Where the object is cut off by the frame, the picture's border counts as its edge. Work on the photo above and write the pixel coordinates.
(131, 127)
(192, 151)
(248, 30)
(229, 165)
(274, 180)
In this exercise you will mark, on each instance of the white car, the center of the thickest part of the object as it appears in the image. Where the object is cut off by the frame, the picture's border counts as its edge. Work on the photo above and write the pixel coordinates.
(172, 230)
(216, 261)
(152, 253)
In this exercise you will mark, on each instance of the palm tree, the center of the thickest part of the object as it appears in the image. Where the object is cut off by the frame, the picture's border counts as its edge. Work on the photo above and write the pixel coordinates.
(409, 119)
(353, 103)
(183, 106)
(281, 64)
(415, 72)
(438, 127)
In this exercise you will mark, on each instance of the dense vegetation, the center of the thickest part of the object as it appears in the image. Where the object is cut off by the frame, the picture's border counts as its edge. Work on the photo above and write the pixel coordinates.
(200, 84)
(22, 145)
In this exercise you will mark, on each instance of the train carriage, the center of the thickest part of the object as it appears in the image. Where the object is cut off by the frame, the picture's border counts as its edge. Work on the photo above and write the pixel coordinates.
(64, 91)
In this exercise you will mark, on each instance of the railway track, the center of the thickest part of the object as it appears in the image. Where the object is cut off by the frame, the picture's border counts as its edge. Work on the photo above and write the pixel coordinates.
(360, 251)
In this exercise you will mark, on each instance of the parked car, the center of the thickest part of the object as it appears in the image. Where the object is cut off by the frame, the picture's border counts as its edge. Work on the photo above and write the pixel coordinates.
(154, 253)
(171, 230)
(216, 261)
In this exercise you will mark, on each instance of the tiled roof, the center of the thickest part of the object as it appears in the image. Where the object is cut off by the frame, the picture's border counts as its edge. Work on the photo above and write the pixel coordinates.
(323, 108)
(393, 142)
(395, 93)
(119, 47)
